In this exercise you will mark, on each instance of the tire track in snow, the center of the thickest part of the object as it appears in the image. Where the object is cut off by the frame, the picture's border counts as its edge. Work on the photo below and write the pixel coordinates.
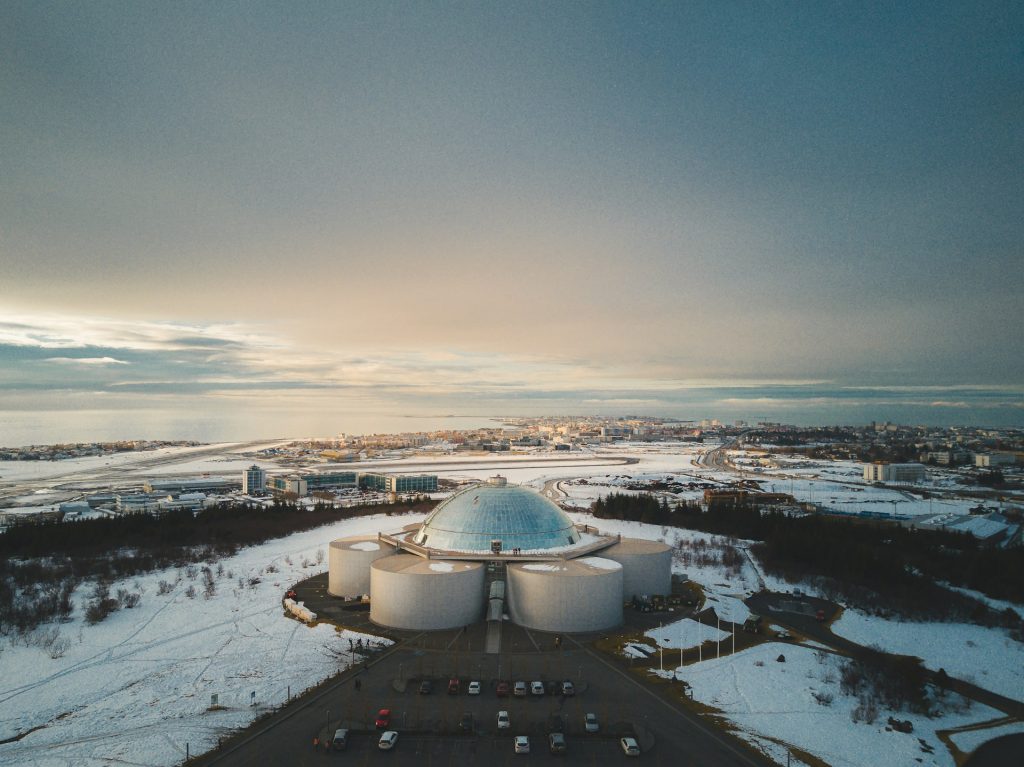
(97, 660)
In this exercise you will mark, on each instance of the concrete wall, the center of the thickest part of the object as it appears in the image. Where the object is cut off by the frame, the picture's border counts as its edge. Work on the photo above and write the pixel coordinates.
(349, 561)
(570, 596)
(646, 566)
(425, 595)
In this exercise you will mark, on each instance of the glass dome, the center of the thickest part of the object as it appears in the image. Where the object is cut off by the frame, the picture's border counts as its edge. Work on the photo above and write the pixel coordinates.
(520, 518)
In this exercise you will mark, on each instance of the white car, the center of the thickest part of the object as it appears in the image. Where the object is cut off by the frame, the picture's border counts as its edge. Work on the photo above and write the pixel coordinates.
(387, 740)
(473, 689)
(590, 723)
(503, 720)
(629, 747)
(522, 744)
(537, 688)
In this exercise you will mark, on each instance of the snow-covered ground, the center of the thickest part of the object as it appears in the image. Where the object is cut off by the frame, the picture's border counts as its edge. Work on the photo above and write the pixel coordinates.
(840, 486)
(136, 687)
(685, 633)
(40, 470)
(767, 700)
(986, 656)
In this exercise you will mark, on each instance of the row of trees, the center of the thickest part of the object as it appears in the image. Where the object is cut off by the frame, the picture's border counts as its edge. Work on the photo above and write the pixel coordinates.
(869, 564)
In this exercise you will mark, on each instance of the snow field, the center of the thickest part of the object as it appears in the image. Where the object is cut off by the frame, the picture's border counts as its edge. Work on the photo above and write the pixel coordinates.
(986, 656)
(767, 699)
(137, 687)
(685, 634)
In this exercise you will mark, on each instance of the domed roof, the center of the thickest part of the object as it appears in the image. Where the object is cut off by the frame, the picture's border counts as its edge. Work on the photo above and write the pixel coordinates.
(520, 518)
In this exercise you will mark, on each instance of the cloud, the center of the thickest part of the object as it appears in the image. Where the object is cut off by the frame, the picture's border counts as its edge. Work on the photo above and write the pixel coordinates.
(87, 361)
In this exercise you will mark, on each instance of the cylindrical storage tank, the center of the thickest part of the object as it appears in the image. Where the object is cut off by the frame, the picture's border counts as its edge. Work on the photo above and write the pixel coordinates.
(646, 567)
(409, 592)
(348, 564)
(575, 595)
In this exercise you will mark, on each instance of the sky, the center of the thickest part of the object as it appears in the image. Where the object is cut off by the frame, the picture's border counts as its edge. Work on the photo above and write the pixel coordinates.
(693, 208)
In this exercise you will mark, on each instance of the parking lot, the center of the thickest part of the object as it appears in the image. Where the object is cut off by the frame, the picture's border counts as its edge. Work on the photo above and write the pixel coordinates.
(428, 724)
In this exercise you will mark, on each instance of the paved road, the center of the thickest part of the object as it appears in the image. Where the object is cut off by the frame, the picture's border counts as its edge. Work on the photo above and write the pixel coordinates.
(428, 724)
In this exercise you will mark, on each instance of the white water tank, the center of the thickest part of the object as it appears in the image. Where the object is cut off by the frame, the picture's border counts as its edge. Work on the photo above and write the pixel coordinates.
(575, 595)
(409, 592)
(348, 564)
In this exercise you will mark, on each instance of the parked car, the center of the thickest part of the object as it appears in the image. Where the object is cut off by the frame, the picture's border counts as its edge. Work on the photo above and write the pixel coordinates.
(567, 688)
(590, 723)
(453, 686)
(474, 688)
(387, 740)
(426, 687)
(503, 721)
(340, 740)
(630, 747)
(383, 719)
(502, 689)
(466, 723)
(522, 744)
(556, 743)
(537, 688)
(519, 689)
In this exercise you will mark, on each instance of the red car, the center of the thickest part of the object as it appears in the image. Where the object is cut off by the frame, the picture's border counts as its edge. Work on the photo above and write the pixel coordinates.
(453, 686)
(502, 689)
(383, 720)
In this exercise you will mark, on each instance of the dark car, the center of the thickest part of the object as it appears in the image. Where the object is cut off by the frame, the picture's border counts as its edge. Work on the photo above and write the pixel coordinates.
(426, 687)
(502, 689)
(556, 743)
(466, 723)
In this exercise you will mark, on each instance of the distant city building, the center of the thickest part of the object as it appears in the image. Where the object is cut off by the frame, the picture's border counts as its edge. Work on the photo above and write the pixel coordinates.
(894, 472)
(398, 483)
(294, 485)
(254, 480)
(987, 460)
(201, 484)
(331, 479)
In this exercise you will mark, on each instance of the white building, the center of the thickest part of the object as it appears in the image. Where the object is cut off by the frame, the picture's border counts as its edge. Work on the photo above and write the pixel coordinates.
(894, 472)
(492, 548)
(254, 480)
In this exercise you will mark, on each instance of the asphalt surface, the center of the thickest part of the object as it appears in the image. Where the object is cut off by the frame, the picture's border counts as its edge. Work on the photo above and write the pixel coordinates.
(428, 725)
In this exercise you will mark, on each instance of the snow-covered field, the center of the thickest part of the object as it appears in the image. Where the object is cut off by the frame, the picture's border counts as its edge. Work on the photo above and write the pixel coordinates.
(839, 485)
(684, 634)
(767, 701)
(136, 687)
(986, 656)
